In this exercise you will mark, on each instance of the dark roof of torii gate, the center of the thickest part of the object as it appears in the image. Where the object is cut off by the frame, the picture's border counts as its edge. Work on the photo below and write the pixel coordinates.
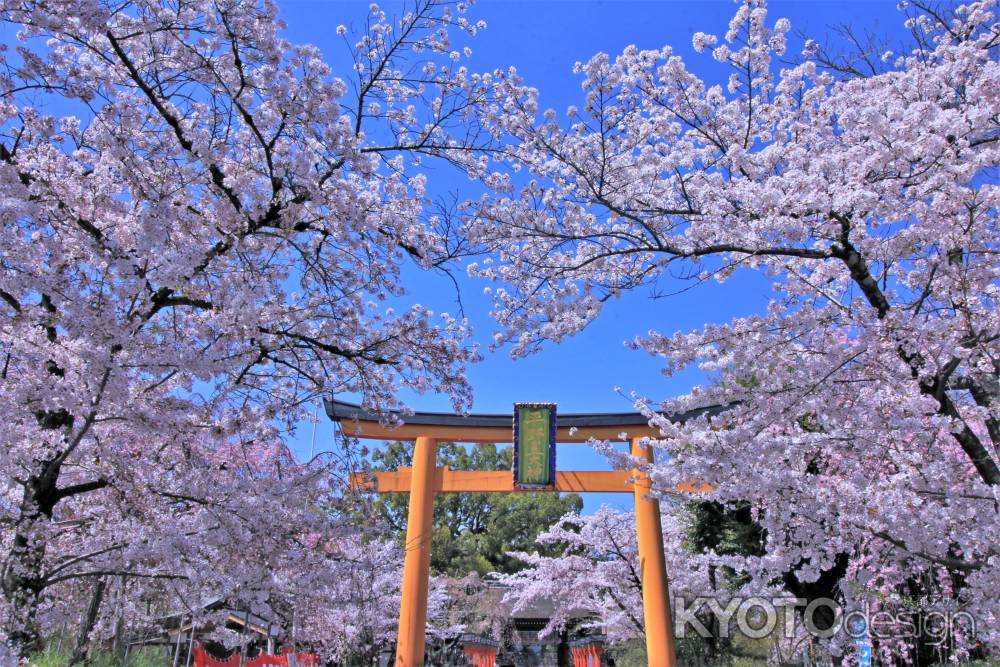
(486, 427)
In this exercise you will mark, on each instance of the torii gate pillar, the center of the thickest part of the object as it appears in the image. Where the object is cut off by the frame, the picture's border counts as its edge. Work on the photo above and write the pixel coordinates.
(417, 561)
(660, 649)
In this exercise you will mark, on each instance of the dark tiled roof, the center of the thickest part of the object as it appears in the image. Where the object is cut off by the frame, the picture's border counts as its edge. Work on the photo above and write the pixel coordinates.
(341, 410)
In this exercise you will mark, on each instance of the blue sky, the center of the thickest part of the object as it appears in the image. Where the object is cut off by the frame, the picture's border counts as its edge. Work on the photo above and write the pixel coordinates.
(543, 39)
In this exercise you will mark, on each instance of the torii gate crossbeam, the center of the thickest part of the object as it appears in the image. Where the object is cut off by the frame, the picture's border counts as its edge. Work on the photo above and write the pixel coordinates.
(425, 479)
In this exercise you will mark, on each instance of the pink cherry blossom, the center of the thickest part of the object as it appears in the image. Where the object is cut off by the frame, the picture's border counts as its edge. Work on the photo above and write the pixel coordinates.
(203, 230)
(863, 406)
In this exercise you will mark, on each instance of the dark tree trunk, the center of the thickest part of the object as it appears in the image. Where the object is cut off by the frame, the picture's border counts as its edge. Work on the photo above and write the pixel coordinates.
(826, 586)
(564, 656)
(23, 580)
(82, 644)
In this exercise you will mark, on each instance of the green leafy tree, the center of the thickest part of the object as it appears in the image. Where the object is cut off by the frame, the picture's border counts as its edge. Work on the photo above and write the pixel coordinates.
(474, 531)
(727, 530)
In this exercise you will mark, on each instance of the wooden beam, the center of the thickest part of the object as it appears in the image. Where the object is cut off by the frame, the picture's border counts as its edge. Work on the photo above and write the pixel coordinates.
(499, 481)
(449, 433)
(502, 481)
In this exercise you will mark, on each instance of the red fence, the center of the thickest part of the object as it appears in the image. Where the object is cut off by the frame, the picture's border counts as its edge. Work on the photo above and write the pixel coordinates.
(587, 655)
(481, 656)
(203, 659)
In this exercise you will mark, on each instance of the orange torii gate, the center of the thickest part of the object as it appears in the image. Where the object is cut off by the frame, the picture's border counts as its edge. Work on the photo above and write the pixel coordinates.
(425, 479)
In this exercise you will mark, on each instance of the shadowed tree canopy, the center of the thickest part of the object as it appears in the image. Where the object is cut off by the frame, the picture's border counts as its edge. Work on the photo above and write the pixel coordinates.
(473, 532)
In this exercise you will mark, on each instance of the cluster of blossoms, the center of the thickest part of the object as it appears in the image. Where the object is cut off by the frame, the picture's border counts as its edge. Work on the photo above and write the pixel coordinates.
(597, 576)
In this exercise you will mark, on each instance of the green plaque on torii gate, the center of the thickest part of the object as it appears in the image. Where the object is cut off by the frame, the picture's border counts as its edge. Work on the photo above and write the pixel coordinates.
(534, 445)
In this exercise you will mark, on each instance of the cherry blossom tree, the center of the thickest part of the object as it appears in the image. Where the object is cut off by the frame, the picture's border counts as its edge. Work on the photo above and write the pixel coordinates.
(328, 587)
(349, 609)
(863, 405)
(203, 229)
(217, 528)
(597, 574)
